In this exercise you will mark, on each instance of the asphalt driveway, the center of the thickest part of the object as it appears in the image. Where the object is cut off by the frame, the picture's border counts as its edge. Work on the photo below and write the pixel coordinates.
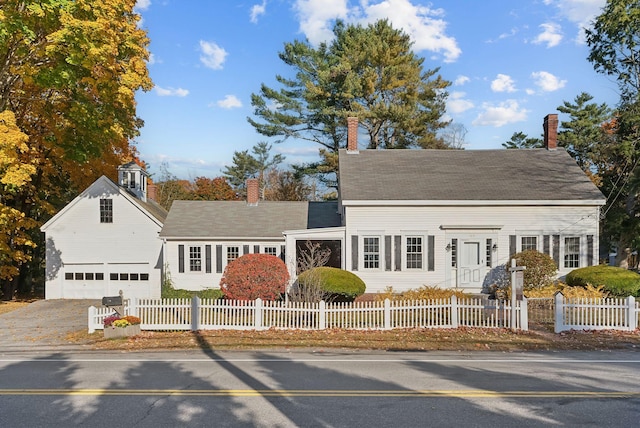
(43, 324)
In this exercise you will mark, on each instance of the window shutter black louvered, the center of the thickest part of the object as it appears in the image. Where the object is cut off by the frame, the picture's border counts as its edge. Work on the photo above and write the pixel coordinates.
(181, 258)
(556, 250)
(218, 258)
(387, 252)
(354, 252)
(397, 241)
(207, 258)
(431, 262)
(589, 250)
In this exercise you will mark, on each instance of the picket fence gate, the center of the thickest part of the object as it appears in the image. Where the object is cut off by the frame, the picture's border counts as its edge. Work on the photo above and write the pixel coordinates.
(595, 314)
(208, 314)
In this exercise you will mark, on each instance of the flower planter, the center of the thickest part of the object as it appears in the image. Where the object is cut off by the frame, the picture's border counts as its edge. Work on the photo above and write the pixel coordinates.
(112, 332)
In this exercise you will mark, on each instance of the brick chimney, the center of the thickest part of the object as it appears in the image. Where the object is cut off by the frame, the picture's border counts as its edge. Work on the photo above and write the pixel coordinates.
(152, 192)
(253, 191)
(352, 134)
(551, 131)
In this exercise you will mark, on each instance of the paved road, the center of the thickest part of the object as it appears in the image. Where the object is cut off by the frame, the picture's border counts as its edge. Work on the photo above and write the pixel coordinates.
(209, 388)
(43, 324)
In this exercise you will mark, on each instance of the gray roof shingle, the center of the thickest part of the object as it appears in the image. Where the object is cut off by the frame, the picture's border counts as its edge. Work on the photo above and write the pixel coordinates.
(464, 175)
(268, 219)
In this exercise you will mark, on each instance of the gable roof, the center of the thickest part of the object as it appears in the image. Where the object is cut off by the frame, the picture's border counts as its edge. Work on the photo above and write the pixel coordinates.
(150, 208)
(464, 175)
(237, 219)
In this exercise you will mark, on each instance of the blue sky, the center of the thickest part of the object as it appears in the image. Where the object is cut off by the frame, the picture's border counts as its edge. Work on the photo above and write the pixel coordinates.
(511, 63)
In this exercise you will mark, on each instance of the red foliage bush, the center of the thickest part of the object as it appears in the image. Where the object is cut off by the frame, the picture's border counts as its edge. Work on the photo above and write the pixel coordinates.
(255, 275)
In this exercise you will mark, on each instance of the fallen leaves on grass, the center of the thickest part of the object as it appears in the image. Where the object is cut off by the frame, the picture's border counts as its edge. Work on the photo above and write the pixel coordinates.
(462, 339)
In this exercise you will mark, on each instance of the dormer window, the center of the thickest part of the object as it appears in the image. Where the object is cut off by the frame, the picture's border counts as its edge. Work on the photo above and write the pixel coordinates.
(132, 180)
(106, 211)
(125, 180)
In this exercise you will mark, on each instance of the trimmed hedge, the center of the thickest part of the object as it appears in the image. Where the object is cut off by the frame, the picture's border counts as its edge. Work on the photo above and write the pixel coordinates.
(618, 282)
(255, 276)
(340, 284)
(168, 292)
(540, 268)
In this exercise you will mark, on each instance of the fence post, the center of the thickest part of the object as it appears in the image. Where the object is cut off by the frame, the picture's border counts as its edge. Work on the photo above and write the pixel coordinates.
(132, 307)
(559, 312)
(322, 312)
(387, 314)
(92, 317)
(632, 321)
(195, 313)
(454, 311)
(257, 315)
(524, 314)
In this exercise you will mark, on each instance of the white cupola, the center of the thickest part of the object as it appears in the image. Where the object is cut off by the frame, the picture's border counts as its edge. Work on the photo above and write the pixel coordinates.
(133, 178)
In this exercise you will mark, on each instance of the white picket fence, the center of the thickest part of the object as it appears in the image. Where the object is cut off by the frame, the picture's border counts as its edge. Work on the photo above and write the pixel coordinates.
(208, 314)
(595, 314)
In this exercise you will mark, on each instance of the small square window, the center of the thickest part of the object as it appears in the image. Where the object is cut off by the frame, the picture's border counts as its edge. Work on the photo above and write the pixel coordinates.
(144, 277)
(68, 276)
(133, 276)
(124, 277)
(79, 276)
(88, 276)
(529, 243)
(113, 276)
(271, 251)
(99, 276)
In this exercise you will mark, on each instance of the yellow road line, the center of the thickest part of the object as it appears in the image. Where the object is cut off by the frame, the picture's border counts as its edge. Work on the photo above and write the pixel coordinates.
(322, 393)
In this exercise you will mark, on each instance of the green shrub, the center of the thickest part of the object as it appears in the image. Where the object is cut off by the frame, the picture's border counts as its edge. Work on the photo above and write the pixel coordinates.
(168, 292)
(540, 268)
(339, 284)
(618, 282)
(255, 276)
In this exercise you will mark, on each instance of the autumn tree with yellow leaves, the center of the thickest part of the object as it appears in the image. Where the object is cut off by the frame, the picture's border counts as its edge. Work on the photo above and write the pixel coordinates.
(69, 71)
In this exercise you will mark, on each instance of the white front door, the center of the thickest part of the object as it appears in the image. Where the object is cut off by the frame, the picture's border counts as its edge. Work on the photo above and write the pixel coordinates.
(471, 267)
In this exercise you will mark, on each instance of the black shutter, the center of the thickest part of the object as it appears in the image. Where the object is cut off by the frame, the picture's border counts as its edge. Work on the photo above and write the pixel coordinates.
(387, 252)
(218, 258)
(180, 258)
(589, 250)
(207, 258)
(282, 252)
(556, 250)
(431, 263)
(512, 246)
(546, 245)
(256, 249)
(245, 249)
(397, 240)
(354, 252)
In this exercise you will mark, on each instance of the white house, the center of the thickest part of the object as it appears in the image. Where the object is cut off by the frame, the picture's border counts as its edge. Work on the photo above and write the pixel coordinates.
(407, 218)
(106, 240)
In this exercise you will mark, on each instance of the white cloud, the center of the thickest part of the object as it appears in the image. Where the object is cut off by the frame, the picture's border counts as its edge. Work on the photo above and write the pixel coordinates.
(551, 35)
(142, 5)
(171, 92)
(547, 82)
(152, 59)
(316, 18)
(423, 24)
(581, 13)
(457, 104)
(503, 83)
(257, 10)
(213, 56)
(461, 80)
(501, 114)
(229, 102)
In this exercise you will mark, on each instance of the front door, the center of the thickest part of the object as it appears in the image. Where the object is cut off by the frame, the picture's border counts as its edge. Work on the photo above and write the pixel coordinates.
(471, 267)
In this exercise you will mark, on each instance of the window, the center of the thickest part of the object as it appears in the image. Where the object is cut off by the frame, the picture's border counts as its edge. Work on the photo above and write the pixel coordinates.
(106, 211)
(133, 276)
(454, 252)
(414, 252)
(68, 276)
(371, 253)
(144, 277)
(79, 276)
(232, 254)
(113, 276)
(488, 253)
(572, 252)
(99, 276)
(132, 180)
(124, 277)
(529, 243)
(195, 259)
(88, 276)
(271, 250)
